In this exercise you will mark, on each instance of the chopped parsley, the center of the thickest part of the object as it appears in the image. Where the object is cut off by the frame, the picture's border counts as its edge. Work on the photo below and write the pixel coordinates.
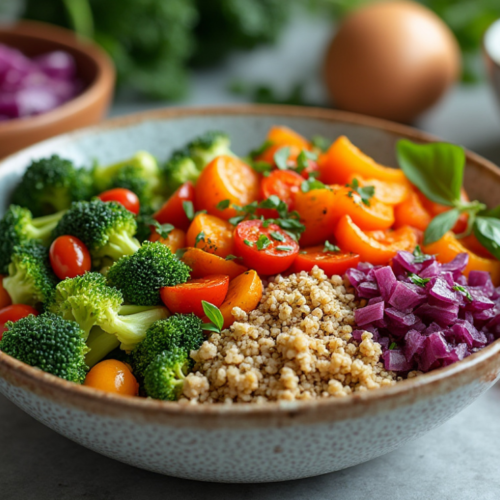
(365, 193)
(312, 184)
(188, 209)
(417, 280)
(281, 157)
(199, 237)
(420, 256)
(222, 205)
(330, 247)
(283, 248)
(320, 142)
(248, 243)
(460, 288)
(277, 236)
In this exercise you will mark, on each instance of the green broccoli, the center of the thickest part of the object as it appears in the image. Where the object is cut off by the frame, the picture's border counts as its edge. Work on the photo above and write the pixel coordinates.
(140, 276)
(144, 222)
(48, 342)
(51, 185)
(18, 226)
(179, 169)
(31, 280)
(183, 331)
(206, 147)
(100, 344)
(164, 377)
(106, 229)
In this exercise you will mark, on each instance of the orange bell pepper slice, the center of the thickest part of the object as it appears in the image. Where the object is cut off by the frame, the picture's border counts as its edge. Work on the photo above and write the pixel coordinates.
(203, 264)
(377, 247)
(175, 240)
(412, 213)
(211, 234)
(285, 136)
(448, 247)
(390, 193)
(343, 159)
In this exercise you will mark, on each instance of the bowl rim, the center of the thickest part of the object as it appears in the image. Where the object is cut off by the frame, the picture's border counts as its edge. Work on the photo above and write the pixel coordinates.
(483, 365)
(64, 38)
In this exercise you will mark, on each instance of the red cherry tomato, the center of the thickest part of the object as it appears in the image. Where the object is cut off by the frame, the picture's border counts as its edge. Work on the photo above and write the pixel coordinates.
(186, 298)
(313, 167)
(172, 211)
(14, 313)
(282, 183)
(268, 250)
(123, 196)
(69, 257)
(331, 262)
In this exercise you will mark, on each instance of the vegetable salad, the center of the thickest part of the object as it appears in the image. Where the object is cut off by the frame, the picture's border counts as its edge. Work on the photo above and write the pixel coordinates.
(115, 276)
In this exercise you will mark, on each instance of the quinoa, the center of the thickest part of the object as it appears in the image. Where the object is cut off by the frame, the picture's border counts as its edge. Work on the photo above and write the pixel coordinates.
(297, 345)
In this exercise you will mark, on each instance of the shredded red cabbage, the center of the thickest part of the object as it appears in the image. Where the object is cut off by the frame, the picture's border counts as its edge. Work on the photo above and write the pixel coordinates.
(425, 314)
(33, 86)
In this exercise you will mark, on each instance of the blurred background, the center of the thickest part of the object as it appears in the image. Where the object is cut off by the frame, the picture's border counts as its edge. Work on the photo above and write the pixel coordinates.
(415, 62)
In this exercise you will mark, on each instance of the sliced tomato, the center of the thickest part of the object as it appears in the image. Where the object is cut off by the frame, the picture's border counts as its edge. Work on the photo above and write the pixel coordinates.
(14, 313)
(283, 184)
(69, 257)
(186, 298)
(268, 250)
(172, 211)
(124, 197)
(331, 262)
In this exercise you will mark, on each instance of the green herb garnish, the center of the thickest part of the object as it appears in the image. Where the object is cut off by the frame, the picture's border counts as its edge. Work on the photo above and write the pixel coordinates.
(320, 142)
(262, 242)
(214, 315)
(330, 247)
(281, 157)
(277, 236)
(417, 280)
(222, 205)
(365, 193)
(312, 184)
(460, 288)
(283, 248)
(199, 237)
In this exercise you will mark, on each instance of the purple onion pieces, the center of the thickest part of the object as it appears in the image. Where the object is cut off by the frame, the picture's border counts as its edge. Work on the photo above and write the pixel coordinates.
(386, 281)
(404, 296)
(369, 314)
(396, 361)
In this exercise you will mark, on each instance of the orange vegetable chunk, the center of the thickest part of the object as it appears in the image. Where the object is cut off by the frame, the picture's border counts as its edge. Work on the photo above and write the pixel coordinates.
(203, 264)
(217, 235)
(412, 213)
(390, 193)
(175, 240)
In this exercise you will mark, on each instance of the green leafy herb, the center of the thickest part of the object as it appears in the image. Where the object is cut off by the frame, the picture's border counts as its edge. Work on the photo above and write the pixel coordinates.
(417, 280)
(222, 205)
(303, 252)
(487, 231)
(199, 237)
(312, 184)
(262, 242)
(230, 257)
(393, 346)
(330, 247)
(283, 248)
(440, 225)
(277, 236)
(188, 208)
(365, 193)
(281, 157)
(248, 243)
(163, 229)
(180, 253)
(460, 288)
(420, 256)
(214, 315)
(261, 149)
(262, 167)
(321, 142)
(303, 160)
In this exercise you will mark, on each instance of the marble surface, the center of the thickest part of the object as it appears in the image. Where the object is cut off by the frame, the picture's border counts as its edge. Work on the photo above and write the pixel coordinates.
(458, 461)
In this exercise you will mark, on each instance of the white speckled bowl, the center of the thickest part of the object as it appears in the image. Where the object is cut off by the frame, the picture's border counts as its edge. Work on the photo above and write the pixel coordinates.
(244, 443)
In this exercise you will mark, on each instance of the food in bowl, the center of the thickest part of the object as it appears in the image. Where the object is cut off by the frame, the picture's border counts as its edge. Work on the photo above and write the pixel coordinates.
(302, 271)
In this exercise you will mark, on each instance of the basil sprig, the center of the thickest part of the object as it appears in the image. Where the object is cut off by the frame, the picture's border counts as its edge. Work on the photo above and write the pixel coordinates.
(437, 170)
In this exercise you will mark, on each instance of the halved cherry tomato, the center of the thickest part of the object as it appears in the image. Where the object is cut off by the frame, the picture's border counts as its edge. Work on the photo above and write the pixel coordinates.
(448, 247)
(203, 264)
(331, 262)
(211, 234)
(375, 215)
(316, 213)
(69, 257)
(390, 193)
(5, 299)
(343, 159)
(172, 211)
(268, 154)
(175, 240)
(226, 178)
(186, 298)
(377, 247)
(283, 184)
(14, 313)
(273, 253)
(112, 376)
(412, 213)
(124, 197)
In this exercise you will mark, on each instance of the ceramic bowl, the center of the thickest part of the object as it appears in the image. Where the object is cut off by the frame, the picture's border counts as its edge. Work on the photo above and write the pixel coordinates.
(244, 443)
(491, 50)
(94, 68)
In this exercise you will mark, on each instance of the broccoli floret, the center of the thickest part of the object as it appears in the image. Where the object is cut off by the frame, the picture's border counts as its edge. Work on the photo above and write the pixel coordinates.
(51, 185)
(101, 344)
(144, 222)
(31, 280)
(18, 226)
(140, 276)
(206, 147)
(181, 331)
(179, 169)
(106, 229)
(48, 342)
(164, 377)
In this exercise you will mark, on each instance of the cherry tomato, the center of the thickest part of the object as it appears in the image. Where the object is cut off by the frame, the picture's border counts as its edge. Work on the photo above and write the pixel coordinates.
(331, 262)
(186, 298)
(69, 257)
(14, 313)
(268, 250)
(5, 299)
(124, 197)
(112, 376)
(282, 183)
(172, 211)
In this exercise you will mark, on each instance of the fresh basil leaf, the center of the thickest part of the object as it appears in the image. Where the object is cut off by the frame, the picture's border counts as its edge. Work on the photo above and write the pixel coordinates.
(493, 212)
(199, 237)
(320, 142)
(213, 314)
(310, 155)
(281, 157)
(163, 229)
(222, 205)
(487, 231)
(440, 225)
(330, 247)
(262, 167)
(236, 220)
(263, 242)
(272, 202)
(188, 209)
(436, 169)
(302, 162)
(261, 149)
(277, 236)
(312, 184)
(210, 327)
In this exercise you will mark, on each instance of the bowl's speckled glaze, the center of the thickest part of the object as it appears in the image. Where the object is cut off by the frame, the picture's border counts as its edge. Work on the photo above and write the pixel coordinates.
(244, 443)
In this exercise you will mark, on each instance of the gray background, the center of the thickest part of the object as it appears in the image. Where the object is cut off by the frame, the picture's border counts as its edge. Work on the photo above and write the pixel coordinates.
(459, 461)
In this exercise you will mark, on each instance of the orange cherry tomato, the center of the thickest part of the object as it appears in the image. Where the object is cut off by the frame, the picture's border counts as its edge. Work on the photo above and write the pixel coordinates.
(5, 299)
(316, 209)
(14, 313)
(172, 211)
(69, 257)
(390, 193)
(343, 159)
(226, 178)
(331, 262)
(211, 234)
(377, 247)
(112, 376)
(123, 196)
(268, 250)
(203, 264)
(412, 213)
(279, 134)
(448, 247)
(186, 298)
(175, 240)
(370, 217)
(268, 154)
(283, 184)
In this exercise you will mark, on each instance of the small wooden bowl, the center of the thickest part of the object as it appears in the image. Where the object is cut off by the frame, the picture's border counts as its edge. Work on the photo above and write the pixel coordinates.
(94, 68)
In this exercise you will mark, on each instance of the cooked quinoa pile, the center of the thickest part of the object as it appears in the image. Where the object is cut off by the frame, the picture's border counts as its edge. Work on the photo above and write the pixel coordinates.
(296, 345)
